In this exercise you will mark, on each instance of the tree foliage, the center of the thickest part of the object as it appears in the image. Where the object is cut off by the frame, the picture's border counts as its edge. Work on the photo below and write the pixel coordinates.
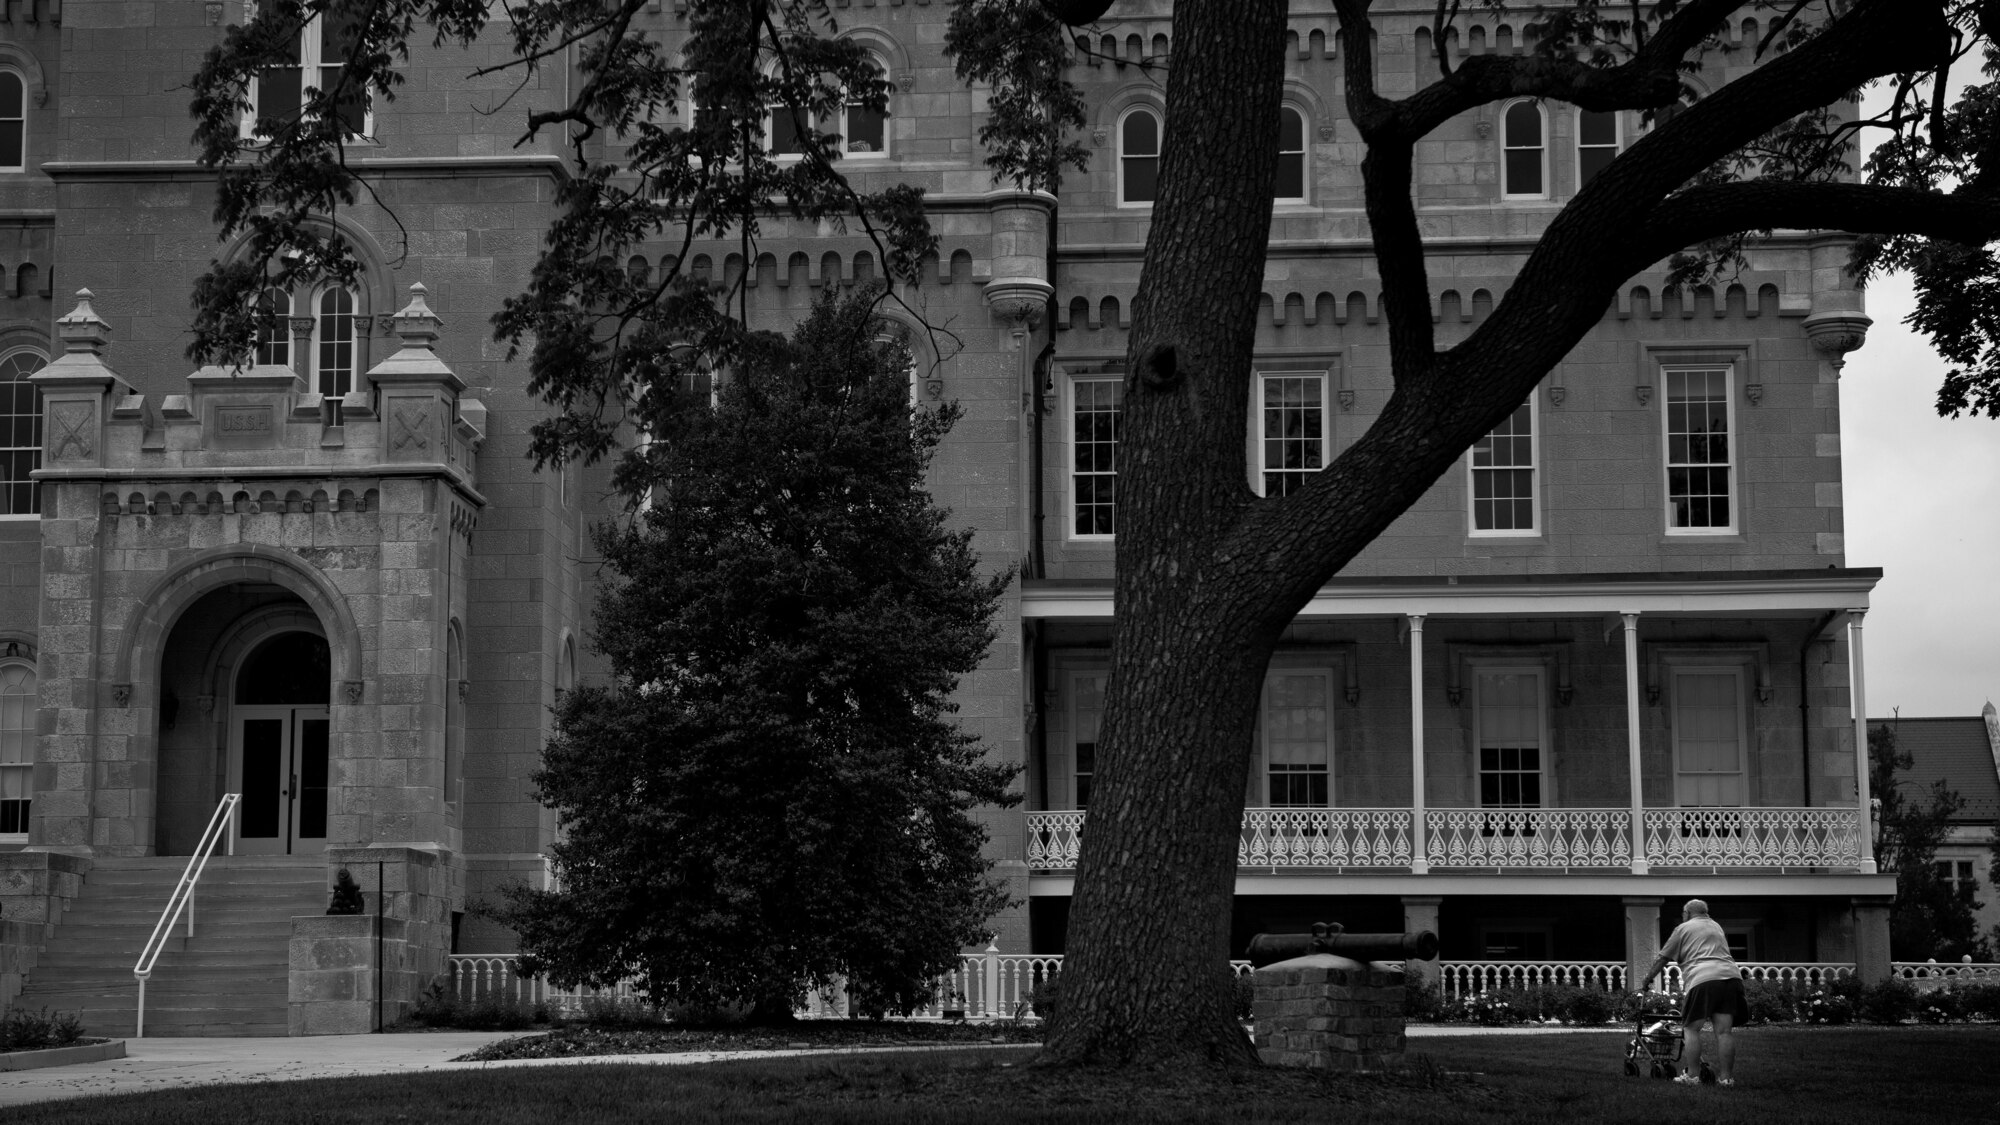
(774, 791)
(1931, 917)
(1208, 574)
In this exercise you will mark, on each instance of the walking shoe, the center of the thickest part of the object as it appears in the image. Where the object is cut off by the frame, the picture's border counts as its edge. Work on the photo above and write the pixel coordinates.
(1687, 1080)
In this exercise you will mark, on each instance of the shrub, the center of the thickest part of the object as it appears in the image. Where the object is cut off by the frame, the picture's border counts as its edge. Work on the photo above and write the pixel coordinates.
(622, 1012)
(1892, 1001)
(1589, 1006)
(440, 1007)
(1771, 1001)
(1978, 999)
(1941, 1005)
(1825, 1005)
(1046, 998)
(1488, 1007)
(1246, 997)
(22, 1030)
(1424, 1000)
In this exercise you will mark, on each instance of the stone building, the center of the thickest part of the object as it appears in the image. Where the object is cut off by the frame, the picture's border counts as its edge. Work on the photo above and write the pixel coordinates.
(1614, 662)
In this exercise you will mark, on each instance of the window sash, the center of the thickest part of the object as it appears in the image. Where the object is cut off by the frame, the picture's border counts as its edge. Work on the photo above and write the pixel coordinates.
(1290, 185)
(20, 434)
(1086, 721)
(1295, 738)
(1699, 419)
(1291, 430)
(13, 122)
(279, 91)
(1096, 415)
(1598, 137)
(1512, 737)
(1139, 158)
(1710, 742)
(1524, 169)
(1505, 484)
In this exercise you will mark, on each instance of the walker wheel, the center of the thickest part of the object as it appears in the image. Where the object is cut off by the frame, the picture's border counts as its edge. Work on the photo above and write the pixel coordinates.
(1660, 1071)
(1631, 1069)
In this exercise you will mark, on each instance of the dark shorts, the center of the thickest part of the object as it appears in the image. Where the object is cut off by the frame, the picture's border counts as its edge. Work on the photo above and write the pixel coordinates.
(1717, 997)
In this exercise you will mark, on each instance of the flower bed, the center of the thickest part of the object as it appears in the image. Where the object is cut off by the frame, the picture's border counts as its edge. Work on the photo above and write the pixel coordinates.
(1840, 1001)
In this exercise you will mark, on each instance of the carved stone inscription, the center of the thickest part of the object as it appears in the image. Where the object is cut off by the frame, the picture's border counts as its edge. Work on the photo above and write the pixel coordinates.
(242, 426)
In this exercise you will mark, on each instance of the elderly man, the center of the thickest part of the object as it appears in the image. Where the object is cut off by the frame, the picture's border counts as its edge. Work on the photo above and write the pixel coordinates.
(1713, 991)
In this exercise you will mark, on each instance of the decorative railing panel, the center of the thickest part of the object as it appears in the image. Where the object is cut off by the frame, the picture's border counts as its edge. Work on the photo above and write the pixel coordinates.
(1325, 838)
(1946, 971)
(1813, 973)
(1753, 837)
(1055, 839)
(1529, 837)
(1466, 978)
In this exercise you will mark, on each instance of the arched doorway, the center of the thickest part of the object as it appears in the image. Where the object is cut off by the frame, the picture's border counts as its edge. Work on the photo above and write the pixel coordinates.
(279, 745)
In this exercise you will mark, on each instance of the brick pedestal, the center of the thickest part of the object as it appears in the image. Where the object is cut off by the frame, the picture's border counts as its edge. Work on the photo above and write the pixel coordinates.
(1330, 1013)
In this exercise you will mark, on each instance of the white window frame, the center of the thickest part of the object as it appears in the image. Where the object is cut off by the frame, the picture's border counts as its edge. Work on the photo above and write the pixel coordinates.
(1674, 670)
(1297, 666)
(838, 120)
(1617, 142)
(1534, 467)
(1476, 669)
(1732, 444)
(28, 767)
(1072, 474)
(310, 61)
(1303, 152)
(1507, 146)
(8, 357)
(1159, 141)
(21, 122)
(1259, 454)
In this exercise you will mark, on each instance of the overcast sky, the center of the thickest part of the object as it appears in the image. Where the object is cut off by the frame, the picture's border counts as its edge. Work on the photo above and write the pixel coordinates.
(1923, 503)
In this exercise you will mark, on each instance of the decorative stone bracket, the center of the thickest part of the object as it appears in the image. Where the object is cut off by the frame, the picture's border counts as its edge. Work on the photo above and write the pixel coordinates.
(1834, 334)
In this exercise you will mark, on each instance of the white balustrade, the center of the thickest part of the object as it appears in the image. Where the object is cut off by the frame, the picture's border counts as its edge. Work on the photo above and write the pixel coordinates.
(1325, 838)
(1810, 973)
(1466, 978)
(1946, 971)
(1753, 837)
(1516, 839)
(1555, 838)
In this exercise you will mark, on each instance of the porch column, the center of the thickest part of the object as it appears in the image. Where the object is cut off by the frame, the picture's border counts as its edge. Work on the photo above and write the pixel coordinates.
(1420, 912)
(1642, 938)
(1633, 764)
(1871, 939)
(1859, 695)
(1420, 863)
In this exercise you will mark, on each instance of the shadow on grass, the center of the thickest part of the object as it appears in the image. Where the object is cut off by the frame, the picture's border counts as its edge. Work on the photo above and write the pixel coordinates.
(1885, 1076)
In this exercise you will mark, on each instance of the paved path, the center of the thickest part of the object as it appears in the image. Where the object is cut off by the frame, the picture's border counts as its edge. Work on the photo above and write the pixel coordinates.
(167, 1064)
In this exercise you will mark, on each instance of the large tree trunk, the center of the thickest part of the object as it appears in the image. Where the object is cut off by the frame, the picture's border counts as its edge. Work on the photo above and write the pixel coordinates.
(1161, 842)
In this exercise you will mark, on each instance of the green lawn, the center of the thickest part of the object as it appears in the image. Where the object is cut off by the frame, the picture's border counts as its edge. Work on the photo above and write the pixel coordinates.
(1932, 1077)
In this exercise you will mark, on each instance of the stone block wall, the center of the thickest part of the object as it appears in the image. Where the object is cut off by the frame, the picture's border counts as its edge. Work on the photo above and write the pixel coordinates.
(35, 890)
(337, 963)
(1329, 1013)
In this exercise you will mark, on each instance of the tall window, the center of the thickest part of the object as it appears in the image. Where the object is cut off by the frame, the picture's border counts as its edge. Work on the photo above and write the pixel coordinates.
(1291, 185)
(1699, 457)
(1292, 423)
(1524, 167)
(1596, 143)
(1138, 157)
(862, 131)
(17, 746)
(314, 62)
(1708, 737)
(20, 434)
(274, 332)
(13, 122)
(1094, 423)
(1086, 717)
(1503, 477)
(1507, 709)
(334, 331)
(1297, 734)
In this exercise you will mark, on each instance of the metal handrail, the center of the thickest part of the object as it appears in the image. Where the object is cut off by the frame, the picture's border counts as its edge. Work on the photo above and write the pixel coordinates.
(218, 831)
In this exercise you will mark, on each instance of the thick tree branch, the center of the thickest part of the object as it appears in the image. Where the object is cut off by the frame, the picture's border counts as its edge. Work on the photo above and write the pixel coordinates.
(1964, 216)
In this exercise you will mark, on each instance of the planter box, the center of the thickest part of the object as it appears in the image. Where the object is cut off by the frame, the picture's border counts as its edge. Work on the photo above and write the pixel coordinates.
(63, 1056)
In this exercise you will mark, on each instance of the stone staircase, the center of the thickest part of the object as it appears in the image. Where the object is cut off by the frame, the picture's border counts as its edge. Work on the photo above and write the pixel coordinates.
(230, 978)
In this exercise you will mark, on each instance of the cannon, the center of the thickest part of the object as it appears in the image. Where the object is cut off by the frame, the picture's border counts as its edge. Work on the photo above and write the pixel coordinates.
(1330, 937)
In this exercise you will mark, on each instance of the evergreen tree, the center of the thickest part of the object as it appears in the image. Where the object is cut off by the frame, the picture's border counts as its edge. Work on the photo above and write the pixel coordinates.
(773, 791)
(1932, 917)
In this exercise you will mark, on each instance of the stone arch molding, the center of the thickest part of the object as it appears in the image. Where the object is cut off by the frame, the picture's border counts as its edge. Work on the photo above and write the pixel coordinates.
(144, 639)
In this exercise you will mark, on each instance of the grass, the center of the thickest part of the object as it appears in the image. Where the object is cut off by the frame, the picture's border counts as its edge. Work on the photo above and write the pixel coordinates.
(1885, 1076)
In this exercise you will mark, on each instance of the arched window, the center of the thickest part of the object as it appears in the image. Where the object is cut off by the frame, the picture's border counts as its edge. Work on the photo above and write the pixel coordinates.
(20, 433)
(863, 132)
(274, 333)
(334, 324)
(1524, 163)
(1138, 157)
(1597, 143)
(13, 122)
(17, 746)
(329, 353)
(1291, 186)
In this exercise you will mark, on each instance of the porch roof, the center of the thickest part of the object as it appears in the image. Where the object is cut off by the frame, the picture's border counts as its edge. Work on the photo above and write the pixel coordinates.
(1733, 593)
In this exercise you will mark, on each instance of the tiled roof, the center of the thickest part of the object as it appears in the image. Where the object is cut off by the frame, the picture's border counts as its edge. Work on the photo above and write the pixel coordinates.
(1955, 750)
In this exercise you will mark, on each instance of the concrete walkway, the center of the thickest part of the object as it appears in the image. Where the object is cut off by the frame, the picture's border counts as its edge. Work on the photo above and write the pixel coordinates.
(169, 1064)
